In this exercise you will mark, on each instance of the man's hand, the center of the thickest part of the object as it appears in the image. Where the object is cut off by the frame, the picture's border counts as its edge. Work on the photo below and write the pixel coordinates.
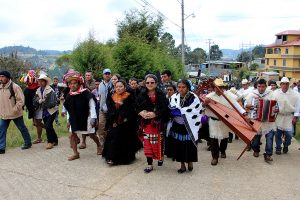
(63, 114)
(150, 115)
(207, 101)
(249, 106)
(68, 125)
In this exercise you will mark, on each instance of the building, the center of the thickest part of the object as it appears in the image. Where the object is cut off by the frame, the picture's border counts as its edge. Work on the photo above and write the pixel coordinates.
(284, 55)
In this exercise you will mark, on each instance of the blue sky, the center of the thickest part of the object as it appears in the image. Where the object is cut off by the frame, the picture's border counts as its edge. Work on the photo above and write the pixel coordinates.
(59, 24)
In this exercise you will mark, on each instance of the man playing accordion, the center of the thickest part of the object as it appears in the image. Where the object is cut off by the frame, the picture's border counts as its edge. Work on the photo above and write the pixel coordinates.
(263, 96)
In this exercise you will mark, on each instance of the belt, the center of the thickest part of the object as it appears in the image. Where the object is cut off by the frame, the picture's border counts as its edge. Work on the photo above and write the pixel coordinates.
(215, 119)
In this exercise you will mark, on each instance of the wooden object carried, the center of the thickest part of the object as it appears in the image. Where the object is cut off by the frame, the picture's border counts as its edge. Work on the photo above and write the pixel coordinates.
(244, 128)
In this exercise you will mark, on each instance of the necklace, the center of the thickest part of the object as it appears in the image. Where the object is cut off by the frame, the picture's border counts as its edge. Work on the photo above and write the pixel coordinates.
(182, 101)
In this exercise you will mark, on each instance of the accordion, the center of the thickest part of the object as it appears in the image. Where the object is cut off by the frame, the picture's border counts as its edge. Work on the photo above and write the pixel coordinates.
(264, 110)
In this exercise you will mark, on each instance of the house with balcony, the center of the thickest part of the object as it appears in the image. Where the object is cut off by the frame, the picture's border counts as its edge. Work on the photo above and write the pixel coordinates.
(284, 55)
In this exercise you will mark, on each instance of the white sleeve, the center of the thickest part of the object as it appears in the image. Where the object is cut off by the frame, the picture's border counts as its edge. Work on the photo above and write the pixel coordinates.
(63, 110)
(68, 116)
(297, 108)
(92, 105)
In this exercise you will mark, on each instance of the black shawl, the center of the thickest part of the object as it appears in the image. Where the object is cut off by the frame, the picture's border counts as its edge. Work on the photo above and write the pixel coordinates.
(78, 108)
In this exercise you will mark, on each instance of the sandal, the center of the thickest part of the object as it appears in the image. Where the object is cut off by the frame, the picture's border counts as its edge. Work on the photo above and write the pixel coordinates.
(181, 170)
(99, 151)
(148, 169)
(73, 157)
(110, 162)
(37, 141)
(190, 167)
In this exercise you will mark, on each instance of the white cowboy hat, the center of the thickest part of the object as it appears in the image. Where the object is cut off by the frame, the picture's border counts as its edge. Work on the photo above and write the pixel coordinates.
(46, 78)
(284, 80)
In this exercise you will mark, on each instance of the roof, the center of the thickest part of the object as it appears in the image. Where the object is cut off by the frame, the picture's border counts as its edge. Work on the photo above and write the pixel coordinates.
(292, 43)
(289, 32)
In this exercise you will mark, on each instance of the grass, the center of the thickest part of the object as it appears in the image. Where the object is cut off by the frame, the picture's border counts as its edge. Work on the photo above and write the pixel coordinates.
(14, 137)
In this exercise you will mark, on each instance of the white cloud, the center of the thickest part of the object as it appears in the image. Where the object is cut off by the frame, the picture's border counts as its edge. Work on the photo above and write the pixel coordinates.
(58, 24)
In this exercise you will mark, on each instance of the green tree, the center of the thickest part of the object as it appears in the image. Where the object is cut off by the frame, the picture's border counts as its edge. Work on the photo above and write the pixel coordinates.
(134, 58)
(197, 56)
(187, 52)
(89, 54)
(215, 52)
(259, 51)
(167, 41)
(141, 25)
(245, 56)
(14, 65)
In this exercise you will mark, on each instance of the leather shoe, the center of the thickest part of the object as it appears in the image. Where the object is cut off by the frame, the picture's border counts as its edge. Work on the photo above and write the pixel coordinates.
(2, 151)
(285, 149)
(49, 146)
(223, 155)
(256, 154)
(26, 146)
(214, 161)
(181, 170)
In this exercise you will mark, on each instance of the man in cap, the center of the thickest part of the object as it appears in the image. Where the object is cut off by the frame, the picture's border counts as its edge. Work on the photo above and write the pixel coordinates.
(267, 129)
(289, 110)
(11, 108)
(218, 130)
(103, 92)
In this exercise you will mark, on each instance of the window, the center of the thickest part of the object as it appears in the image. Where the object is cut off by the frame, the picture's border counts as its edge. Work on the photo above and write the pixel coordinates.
(284, 38)
(270, 51)
(279, 37)
(274, 62)
(267, 61)
(286, 50)
(277, 50)
(284, 62)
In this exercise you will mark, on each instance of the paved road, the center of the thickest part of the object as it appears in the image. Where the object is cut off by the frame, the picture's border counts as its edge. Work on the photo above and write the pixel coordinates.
(46, 174)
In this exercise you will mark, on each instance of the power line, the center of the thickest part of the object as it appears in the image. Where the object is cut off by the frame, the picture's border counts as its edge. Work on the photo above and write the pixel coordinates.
(154, 10)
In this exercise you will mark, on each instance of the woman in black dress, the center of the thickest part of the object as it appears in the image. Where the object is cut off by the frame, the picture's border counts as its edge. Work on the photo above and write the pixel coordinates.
(185, 110)
(122, 142)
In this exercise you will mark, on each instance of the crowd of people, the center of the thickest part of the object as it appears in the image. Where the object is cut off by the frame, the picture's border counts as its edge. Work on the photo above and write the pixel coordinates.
(164, 117)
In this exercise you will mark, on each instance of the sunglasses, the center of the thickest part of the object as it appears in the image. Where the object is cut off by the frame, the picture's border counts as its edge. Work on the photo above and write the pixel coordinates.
(107, 73)
(148, 83)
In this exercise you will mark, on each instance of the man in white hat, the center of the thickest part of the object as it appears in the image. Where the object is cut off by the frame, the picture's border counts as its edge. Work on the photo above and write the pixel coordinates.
(267, 129)
(245, 90)
(46, 100)
(289, 110)
(218, 130)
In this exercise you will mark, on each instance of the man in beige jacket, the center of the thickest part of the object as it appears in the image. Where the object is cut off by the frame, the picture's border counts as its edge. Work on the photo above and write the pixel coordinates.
(11, 108)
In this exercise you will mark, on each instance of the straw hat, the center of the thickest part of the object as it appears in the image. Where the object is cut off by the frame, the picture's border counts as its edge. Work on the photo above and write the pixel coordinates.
(219, 82)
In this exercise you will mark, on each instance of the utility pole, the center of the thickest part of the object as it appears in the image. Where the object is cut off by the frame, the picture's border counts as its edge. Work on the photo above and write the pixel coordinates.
(209, 42)
(182, 34)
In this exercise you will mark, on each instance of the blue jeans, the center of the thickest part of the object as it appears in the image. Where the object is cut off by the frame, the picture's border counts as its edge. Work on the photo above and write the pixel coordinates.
(287, 138)
(19, 122)
(269, 143)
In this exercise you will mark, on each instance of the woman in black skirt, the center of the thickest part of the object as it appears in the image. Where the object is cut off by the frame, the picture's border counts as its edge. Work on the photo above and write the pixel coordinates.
(122, 142)
(185, 110)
